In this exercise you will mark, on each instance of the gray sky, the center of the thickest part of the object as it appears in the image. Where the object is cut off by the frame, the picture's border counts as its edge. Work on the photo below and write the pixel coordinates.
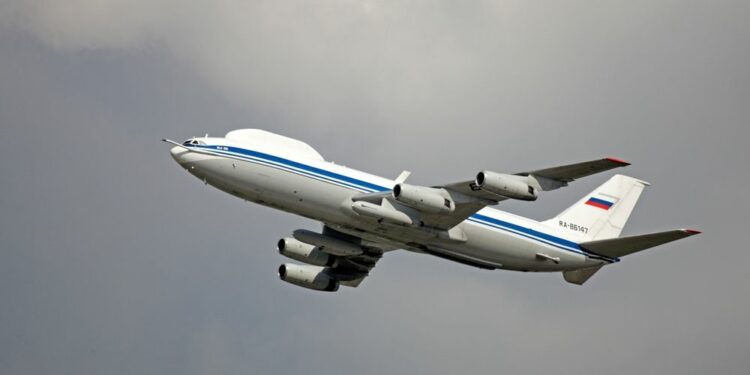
(114, 260)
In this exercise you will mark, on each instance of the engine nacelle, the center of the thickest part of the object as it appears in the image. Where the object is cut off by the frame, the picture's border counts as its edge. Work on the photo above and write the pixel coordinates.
(310, 277)
(510, 186)
(383, 213)
(328, 244)
(297, 250)
(424, 199)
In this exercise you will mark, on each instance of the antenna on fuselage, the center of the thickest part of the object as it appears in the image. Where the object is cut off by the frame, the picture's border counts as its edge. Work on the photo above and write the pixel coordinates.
(402, 177)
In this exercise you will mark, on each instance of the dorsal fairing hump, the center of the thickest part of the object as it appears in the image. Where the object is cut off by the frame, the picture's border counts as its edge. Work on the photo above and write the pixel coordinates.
(264, 141)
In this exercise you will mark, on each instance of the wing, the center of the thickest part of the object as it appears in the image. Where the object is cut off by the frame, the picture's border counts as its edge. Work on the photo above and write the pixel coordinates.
(542, 179)
(468, 197)
(548, 178)
(331, 258)
(560, 176)
(352, 270)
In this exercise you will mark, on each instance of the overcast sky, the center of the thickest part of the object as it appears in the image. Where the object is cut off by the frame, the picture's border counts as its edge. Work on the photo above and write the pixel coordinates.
(113, 260)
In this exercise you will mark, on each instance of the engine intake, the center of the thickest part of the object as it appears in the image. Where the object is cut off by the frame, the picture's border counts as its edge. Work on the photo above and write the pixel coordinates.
(310, 277)
(424, 199)
(509, 186)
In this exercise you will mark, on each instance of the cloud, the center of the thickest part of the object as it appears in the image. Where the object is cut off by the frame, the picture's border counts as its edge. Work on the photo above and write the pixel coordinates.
(416, 68)
(425, 64)
(280, 52)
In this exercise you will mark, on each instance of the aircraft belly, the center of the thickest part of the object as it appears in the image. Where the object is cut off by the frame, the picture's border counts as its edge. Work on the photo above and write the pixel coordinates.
(514, 251)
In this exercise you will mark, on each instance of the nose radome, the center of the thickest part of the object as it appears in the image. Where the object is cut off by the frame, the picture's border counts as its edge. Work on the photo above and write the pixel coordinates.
(178, 153)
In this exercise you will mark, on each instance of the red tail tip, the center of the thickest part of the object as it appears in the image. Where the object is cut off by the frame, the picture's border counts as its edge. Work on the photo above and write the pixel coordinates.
(618, 161)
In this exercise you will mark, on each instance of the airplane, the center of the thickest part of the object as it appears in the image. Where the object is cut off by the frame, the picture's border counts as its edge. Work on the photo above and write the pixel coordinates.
(365, 216)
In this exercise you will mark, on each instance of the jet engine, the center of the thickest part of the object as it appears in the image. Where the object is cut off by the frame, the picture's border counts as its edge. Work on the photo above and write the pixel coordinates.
(327, 244)
(311, 277)
(297, 250)
(424, 199)
(510, 186)
(382, 213)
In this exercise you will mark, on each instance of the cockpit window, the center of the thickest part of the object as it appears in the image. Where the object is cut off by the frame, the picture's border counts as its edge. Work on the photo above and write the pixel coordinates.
(193, 141)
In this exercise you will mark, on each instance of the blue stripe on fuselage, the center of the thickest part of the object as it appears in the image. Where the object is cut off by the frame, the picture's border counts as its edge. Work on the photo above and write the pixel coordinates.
(322, 172)
(365, 186)
(527, 232)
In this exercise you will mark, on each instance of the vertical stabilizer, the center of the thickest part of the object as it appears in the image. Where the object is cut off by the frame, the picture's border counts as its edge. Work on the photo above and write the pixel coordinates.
(603, 212)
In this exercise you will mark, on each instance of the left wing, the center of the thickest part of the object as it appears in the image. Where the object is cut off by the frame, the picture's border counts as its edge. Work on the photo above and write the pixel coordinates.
(352, 270)
(463, 199)
(344, 258)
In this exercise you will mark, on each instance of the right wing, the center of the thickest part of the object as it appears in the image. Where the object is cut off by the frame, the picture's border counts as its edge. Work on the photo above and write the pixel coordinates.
(545, 179)
(560, 176)
(468, 197)
(471, 198)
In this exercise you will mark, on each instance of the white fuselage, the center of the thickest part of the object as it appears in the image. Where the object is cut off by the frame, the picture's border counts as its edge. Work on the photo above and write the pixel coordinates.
(322, 191)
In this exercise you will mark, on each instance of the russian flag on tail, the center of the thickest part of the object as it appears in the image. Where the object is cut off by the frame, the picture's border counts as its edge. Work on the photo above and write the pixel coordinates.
(599, 203)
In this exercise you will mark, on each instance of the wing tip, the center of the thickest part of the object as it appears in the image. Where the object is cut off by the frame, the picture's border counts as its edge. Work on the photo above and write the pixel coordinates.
(692, 232)
(618, 161)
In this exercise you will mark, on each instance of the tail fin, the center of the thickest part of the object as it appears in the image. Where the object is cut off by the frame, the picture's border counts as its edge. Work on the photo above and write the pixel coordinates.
(604, 212)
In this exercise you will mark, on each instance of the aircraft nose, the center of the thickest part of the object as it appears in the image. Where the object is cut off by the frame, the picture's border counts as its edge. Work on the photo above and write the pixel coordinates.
(178, 154)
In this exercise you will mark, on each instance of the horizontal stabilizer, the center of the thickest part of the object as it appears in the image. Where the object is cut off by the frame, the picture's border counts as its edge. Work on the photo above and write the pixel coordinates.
(580, 276)
(617, 247)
